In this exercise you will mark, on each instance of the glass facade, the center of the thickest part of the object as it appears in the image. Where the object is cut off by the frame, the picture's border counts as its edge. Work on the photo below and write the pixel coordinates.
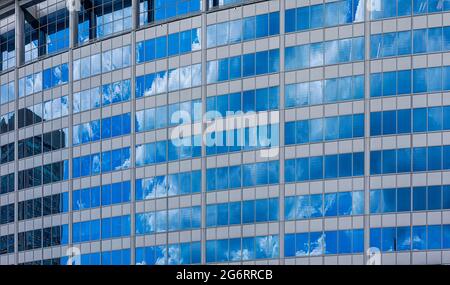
(225, 131)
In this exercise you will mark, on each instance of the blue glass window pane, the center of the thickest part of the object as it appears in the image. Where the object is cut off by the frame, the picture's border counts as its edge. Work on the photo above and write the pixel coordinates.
(289, 20)
(419, 198)
(403, 199)
(404, 121)
(419, 159)
(420, 120)
(345, 165)
(434, 197)
(404, 160)
(419, 238)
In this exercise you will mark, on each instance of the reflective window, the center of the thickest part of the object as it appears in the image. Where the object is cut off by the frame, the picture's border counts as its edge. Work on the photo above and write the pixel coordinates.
(407, 121)
(236, 139)
(324, 15)
(42, 238)
(172, 80)
(183, 253)
(173, 44)
(99, 18)
(252, 64)
(159, 10)
(43, 206)
(7, 44)
(107, 161)
(407, 42)
(7, 244)
(171, 115)
(407, 160)
(327, 205)
(324, 167)
(394, 8)
(245, 29)
(47, 31)
(247, 175)
(263, 99)
(109, 60)
(104, 128)
(41, 175)
(177, 149)
(7, 183)
(168, 220)
(169, 185)
(326, 129)
(7, 122)
(323, 243)
(249, 211)
(326, 91)
(422, 80)
(7, 92)
(7, 153)
(237, 249)
(330, 52)
(410, 238)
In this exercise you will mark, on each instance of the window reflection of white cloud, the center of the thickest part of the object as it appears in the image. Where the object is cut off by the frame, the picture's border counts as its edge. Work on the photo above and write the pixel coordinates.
(418, 241)
(246, 254)
(117, 91)
(196, 40)
(212, 74)
(331, 52)
(106, 61)
(76, 102)
(160, 83)
(76, 135)
(125, 164)
(316, 54)
(329, 202)
(303, 208)
(267, 246)
(147, 220)
(196, 75)
(37, 87)
(161, 255)
(161, 221)
(126, 56)
(317, 246)
(76, 69)
(174, 255)
(148, 188)
(290, 214)
(173, 186)
(64, 106)
(140, 121)
(29, 85)
(359, 14)
(358, 202)
(185, 77)
(174, 79)
(301, 251)
(235, 255)
(160, 186)
(48, 110)
(140, 155)
(174, 218)
(96, 164)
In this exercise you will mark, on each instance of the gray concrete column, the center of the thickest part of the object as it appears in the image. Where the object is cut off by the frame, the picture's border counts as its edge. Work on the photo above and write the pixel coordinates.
(366, 218)
(73, 27)
(135, 13)
(204, 90)
(135, 23)
(19, 34)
